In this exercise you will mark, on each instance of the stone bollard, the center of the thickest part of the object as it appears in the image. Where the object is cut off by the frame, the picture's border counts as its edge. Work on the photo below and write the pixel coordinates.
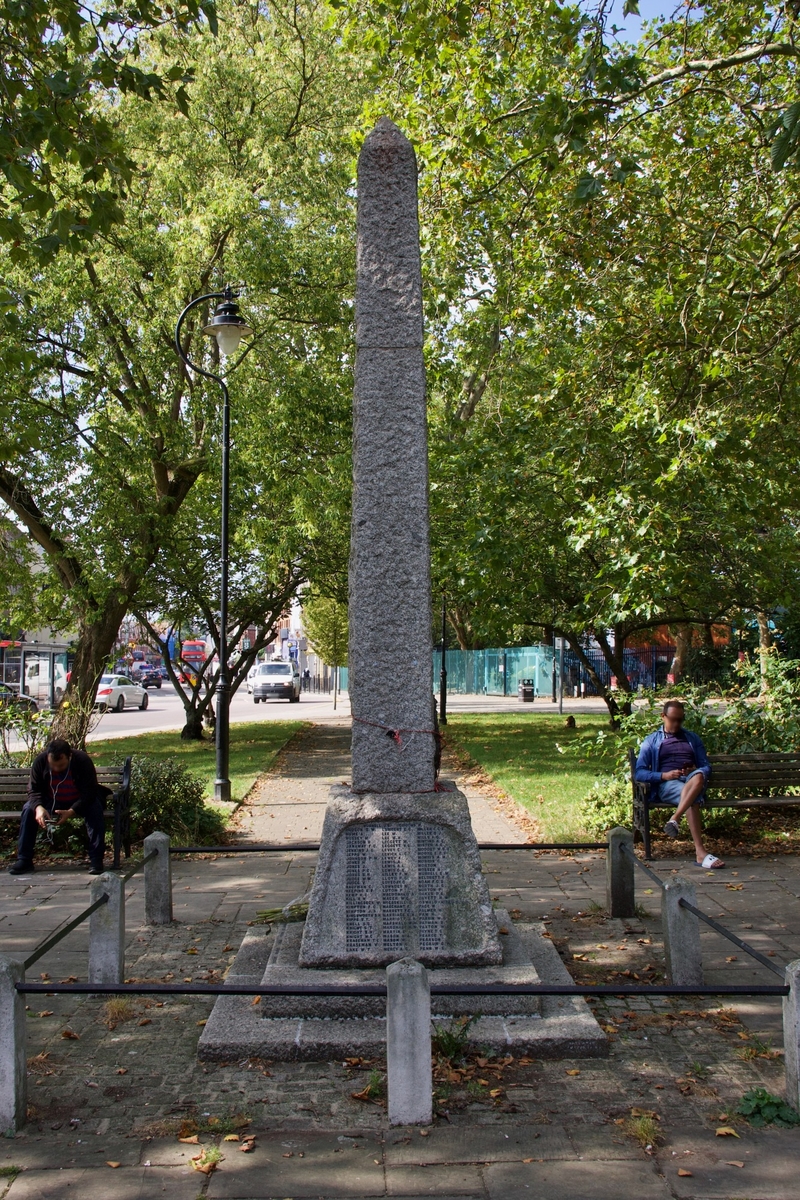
(157, 881)
(107, 931)
(681, 932)
(13, 1062)
(791, 1034)
(408, 1043)
(620, 886)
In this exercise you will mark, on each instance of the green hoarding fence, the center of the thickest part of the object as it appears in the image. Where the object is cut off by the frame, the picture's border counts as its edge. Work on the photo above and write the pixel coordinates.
(496, 672)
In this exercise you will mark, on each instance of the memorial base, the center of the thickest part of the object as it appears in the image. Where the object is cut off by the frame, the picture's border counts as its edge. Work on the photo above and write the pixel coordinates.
(399, 875)
(324, 1028)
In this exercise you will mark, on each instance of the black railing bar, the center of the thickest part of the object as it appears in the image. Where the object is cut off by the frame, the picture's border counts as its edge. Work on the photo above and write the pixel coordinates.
(275, 846)
(437, 989)
(138, 866)
(542, 845)
(627, 850)
(62, 933)
(726, 933)
(240, 849)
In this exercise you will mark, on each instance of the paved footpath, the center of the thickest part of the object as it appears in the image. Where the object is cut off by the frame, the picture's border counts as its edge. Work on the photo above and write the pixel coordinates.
(113, 1087)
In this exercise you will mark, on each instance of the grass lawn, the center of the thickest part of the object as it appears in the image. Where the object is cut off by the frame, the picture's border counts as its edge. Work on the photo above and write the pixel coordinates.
(254, 745)
(520, 752)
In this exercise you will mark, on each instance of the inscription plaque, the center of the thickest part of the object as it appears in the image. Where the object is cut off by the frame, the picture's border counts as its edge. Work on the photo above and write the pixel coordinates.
(397, 878)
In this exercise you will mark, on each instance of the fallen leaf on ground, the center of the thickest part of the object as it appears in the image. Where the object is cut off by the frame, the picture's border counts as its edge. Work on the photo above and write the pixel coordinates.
(231, 1137)
(145, 1021)
(734, 887)
(645, 1112)
(495, 1092)
(112, 1164)
(732, 1162)
(201, 1022)
(205, 1167)
(424, 1132)
(69, 979)
(502, 929)
(192, 950)
(574, 1071)
(290, 1154)
(256, 1000)
(726, 1131)
(190, 1141)
(69, 1035)
(246, 1147)
(122, 1070)
(686, 1174)
(731, 958)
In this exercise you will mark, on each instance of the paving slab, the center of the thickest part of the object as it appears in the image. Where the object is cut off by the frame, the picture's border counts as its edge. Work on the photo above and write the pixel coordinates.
(575, 1181)
(300, 1165)
(445, 1144)
(139, 1183)
(434, 1181)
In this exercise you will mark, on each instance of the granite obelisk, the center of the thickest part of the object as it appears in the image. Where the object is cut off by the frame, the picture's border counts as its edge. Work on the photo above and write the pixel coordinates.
(399, 871)
(390, 652)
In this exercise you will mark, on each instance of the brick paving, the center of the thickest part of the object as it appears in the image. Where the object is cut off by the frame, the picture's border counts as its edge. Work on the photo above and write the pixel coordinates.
(128, 1084)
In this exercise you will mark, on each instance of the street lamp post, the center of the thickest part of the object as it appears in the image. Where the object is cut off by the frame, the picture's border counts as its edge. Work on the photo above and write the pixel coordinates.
(228, 327)
(443, 671)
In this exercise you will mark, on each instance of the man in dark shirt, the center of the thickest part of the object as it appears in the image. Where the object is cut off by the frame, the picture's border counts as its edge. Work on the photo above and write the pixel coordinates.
(63, 784)
(674, 762)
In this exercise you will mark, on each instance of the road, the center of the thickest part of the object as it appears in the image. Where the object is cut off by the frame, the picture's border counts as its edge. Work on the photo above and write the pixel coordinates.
(165, 710)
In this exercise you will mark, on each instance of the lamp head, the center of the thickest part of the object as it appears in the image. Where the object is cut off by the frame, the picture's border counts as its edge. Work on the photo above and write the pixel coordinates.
(227, 325)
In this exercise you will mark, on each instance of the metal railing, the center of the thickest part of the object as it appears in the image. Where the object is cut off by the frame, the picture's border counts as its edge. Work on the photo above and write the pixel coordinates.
(268, 847)
(44, 947)
(704, 917)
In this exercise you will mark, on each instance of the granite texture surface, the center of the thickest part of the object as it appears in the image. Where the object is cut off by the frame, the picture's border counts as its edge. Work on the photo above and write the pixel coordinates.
(399, 875)
(390, 660)
(554, 1027)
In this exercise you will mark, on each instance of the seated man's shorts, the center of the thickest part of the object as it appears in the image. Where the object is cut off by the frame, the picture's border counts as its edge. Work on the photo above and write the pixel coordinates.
(669, 790)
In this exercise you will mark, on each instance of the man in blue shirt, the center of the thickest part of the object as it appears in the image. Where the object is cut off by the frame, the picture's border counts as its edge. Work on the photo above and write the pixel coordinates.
(674, 762)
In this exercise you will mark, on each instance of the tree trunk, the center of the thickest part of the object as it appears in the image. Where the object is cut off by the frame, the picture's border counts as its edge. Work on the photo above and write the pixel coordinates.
(193, 729)
(462, 627)
(616, 662)
(600, 687)
(95, 643)
(764, 647)
(683, 640)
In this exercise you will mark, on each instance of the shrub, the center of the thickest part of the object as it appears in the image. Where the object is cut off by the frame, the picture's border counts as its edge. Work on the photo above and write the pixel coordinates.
(165, 795)
(607, 805)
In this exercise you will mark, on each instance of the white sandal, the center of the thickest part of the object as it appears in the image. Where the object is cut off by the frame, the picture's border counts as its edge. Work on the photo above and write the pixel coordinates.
(710, 863)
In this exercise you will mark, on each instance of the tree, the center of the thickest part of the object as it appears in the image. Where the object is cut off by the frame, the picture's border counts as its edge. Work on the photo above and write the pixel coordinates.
(325, 622)
(105, 434)
(65, 168)
(611, 303)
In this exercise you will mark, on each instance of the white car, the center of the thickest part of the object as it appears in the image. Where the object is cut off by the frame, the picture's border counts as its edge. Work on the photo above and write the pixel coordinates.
(251, 674)
(117, 692)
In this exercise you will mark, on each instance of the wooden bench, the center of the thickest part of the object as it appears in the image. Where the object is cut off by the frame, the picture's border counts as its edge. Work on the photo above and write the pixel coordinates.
(737, 781)
(14, 791)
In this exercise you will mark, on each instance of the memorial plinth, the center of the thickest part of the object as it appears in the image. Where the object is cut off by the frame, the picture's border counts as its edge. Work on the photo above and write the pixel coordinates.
(394, 880)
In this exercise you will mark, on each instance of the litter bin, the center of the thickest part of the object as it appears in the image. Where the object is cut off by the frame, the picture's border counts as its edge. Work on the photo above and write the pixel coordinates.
(525, 690)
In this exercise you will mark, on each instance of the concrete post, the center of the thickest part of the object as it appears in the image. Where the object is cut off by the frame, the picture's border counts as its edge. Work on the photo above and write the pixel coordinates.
(791, 1034)
(620, 887)
(157, 881)
(408, 1043)
(107, 931)
(13, 1064)
(681, 931)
